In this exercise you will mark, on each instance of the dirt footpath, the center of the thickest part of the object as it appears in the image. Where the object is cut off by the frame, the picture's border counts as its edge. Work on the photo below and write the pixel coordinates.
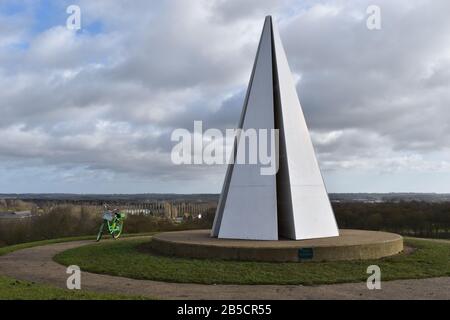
(36, 264)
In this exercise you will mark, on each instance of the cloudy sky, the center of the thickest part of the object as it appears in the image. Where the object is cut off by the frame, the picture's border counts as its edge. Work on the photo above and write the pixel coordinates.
(92, 111)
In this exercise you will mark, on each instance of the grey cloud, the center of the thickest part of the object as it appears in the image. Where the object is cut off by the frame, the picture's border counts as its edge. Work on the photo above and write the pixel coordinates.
(108, 102)
(355, 78)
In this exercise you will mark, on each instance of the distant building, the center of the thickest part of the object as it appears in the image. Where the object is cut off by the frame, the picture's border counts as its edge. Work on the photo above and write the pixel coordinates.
(170, 211)
(15, 214)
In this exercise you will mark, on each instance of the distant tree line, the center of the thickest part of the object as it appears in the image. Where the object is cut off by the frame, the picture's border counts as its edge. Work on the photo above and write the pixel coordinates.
(413, 218)
(410, 218)
(69, 220)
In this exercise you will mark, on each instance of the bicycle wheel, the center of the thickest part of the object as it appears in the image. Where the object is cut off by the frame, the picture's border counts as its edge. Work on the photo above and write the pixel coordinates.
(100, 232)
(117, 230)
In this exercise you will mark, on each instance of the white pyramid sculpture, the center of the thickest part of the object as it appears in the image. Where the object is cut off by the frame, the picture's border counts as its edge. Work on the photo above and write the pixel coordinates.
(293, 203)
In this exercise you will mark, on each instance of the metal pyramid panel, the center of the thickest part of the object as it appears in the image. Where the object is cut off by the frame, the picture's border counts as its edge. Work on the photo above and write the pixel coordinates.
(307, 206)
(248, 203)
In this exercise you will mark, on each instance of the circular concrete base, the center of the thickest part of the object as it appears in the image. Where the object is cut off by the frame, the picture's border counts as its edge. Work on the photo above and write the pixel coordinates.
(349, 245)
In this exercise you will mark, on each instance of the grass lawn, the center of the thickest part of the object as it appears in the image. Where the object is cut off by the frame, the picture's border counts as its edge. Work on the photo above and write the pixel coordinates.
(12, 248)
(123, 258)
(12, 289)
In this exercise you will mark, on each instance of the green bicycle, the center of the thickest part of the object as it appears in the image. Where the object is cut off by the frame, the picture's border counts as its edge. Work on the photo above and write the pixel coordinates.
(114, 224)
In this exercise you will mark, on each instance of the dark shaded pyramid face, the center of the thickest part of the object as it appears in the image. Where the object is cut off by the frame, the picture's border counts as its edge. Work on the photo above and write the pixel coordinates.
(293, 202)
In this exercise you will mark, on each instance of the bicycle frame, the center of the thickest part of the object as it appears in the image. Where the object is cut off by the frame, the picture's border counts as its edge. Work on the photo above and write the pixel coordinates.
(115, 225)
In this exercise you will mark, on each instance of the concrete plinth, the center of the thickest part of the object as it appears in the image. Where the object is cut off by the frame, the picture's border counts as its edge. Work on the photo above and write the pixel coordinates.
(349, 245)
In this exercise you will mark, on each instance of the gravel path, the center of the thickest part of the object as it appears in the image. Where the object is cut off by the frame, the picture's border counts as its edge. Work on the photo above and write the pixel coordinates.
(36, 264)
